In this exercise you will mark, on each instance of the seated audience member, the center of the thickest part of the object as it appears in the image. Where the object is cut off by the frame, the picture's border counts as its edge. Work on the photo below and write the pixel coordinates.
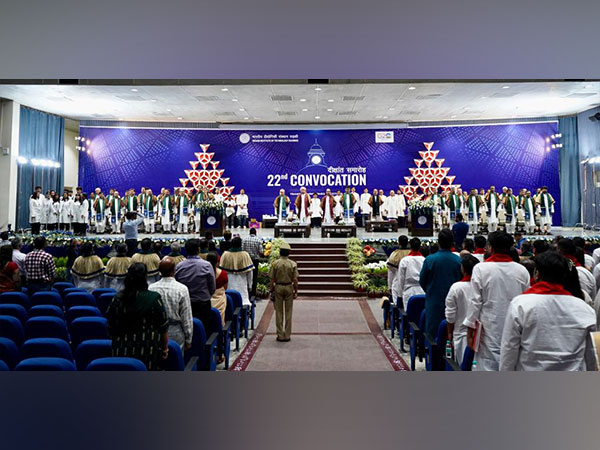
(212, 247)
(540, 246)
(18, 257)
(116, 268)
(253, 245)
(10, 279)
(588, 259)
(566, 247)
(526, 250)
(137, 321)
(40, 267)
(4, 239)
(88, 269)
(225, 244)
(147, 257)
(457, 303)
(209, 236)
(480, 244)
(460, 230)
(519, 240)
(218, 299)
(406, 282)
(529, 264)
(158, 249)
(547, 327)
(175, 253)
(469, 245)
(203, 248)
(238, 265)
(176, 300)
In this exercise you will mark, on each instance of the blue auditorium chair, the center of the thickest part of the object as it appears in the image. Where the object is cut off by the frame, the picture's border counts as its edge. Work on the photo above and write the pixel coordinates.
(9, 352)
(467, 362)
(203, 350)
(3, 366)
(85, 328)
(12, 309)
(47, 310)
(11, 328)
(45, 364)
(100, 291)
(46, 298)
(104, 301)
(215, 325)
(46, 347)
(232, 314)
(18, 298)
(435, 348)
(416, 340)
(68, 291)
(414, 307)
(79, 299)
(62, 285)
(81, 311)
(174, 361)
(46, 326)
(90, 350)
(247, 311)
(113, 364)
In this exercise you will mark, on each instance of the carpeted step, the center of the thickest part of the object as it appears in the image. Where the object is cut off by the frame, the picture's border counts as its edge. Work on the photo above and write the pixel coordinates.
(323, 271)
(324, 278)
(318, 250)
(324, 264)
(319, 257)
(329, 293)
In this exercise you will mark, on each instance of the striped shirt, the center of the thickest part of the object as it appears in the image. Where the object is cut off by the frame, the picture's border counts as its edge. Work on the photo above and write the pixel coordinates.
(176, 300)
(253, 245)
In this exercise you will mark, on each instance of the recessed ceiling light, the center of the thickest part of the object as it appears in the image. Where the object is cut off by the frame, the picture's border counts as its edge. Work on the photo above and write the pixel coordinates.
(317, 117)
(392, 109)
(246, 118)
(483, 96)
(169, 110)
(452, 117)
(331, 100)
(242, 109)
(234, 99)
(411, 88)
(180, 118)
(302, 99)
(318, 89)
(224, 89)
(384, 117)
(378, 117)
(304, 109)
(329, 109)
(134, 90)
(505, 87)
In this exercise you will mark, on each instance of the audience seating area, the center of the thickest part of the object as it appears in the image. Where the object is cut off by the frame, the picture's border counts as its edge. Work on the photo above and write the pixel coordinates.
(65, 329)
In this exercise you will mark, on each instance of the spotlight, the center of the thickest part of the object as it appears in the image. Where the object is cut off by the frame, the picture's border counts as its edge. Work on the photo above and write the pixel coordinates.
(318, 89)
(317, 117)
(411, 88)
(87, 142)
(22, 160)
(302, 99)
(547, 149)
(83, 149)
(331, 100)
(547, 139)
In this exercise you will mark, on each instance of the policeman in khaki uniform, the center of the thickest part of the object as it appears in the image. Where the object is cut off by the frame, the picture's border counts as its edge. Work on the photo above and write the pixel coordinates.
(284, 289)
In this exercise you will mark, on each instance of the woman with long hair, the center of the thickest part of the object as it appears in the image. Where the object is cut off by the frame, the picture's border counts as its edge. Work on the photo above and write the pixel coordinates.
(137, 322)
(10, 279)
(218, 299)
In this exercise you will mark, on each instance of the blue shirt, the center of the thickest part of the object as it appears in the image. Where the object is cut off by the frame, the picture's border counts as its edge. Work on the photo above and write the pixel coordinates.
(460, 231)
(131, 227)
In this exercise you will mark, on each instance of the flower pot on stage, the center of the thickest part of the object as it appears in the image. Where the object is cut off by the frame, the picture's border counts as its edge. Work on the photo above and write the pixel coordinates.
(421, 223)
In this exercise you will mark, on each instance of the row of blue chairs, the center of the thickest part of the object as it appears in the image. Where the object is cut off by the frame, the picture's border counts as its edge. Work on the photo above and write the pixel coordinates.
(70, 297)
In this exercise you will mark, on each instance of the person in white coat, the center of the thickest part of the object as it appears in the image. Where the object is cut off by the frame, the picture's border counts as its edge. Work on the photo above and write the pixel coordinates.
(54, 213)
(46, 202)
(406, 282)
(66, 212)
(302, 205)
(36, 210)
(315, 211)
(241, 201)
(548, 327)
(495, 283)
(457, 304)
(365, 208)
(390, 206)
(493, 205)
(401, 205)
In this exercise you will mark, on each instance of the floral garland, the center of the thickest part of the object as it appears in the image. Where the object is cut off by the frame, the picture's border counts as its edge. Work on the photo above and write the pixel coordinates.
(420, 205)
(211, 207)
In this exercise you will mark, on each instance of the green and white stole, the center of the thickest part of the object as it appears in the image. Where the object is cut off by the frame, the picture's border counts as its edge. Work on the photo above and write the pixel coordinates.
(473, 204)
(347, 202)
(132, 203)
(166, 204)
(528, 205)
(490, 200)
(281, 205)
(115, 208)
(183, 204)
(510, 204)
(454, 202)
(100, 205)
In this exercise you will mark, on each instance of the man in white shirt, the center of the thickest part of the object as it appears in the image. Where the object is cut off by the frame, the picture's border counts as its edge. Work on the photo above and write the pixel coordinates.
(495, 283)
(18, 257)
(365, 208)
(547, 328)
(406, 282)
(241, 201)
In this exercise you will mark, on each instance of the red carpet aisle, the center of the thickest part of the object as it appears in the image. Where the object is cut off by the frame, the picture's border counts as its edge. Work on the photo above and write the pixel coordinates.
(328, 334)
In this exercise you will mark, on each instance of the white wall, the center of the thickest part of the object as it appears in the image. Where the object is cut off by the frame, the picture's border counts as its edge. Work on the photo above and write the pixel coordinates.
(71, 162)
(10, 114)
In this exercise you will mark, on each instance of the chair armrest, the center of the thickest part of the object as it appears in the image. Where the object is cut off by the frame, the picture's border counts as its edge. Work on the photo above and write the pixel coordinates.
(212, 340)
(431, 342)
(227, 328)
(414, 327)
(191, 363)
(453, 364)
(237, 311)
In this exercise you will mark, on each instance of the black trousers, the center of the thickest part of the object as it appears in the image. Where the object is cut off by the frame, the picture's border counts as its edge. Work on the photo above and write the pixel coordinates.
(131, 246)
(35, 228)
(315, 222)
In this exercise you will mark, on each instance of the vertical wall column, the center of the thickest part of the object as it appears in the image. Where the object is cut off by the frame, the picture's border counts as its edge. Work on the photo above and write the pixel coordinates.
(9, 138)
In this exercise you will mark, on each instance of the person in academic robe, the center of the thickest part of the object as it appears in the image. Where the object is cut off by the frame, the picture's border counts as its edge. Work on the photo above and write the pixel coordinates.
(328, 204)
(434, 197)
(182, 208)
(348, 200)
(165, 209)
(473, 206)
(115, 206)
(302, 204)
(241, 201)
(406, 282)
(88, 269)
(315, 211)
(393, 262)
(454, 204)
(439, 272)
(281, 205)
(546, 204)
(495, 283)
(116, 268)
(99, 208)
(197, 200)
(239, 267)
(567, 248)
(148, 258)
(528, 206)
(520, 214)
(375, 204)
(548, 326)
(142, 200)
(457, 304)
(175, 253)
(356, 202)
(401, 208)
(493, 204)
(510, 211)
(149, 210)
(390, 206)
(36, 210)
(66, 212)
(365, 207)
(54, 213)
(130, 201)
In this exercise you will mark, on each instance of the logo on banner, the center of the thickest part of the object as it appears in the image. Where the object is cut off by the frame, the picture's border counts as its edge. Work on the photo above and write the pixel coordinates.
(384, 137)
(244, 138)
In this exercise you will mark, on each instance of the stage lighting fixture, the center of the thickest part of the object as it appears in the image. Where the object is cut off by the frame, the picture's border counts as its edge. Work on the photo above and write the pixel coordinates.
(317, 117)
(22, 160)
(87, 142)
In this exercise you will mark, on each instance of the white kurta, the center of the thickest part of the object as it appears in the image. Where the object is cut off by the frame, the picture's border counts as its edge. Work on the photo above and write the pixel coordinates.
(315, 207)
(406, 283)
(547, 332)
(596, 274)
(495, 284)
(391, 207)
(493, 211)
(596, 256)
(327, 219)
(457, 304)
(473, 206)
(304, 199)
(365, 208)
(587, 281)
(338, 209)
(183, 215)
(241, 282)
(401, 205)
(241, 201)
(589, 262)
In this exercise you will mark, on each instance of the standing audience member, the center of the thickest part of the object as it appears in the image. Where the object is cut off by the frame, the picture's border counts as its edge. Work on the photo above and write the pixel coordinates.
(480, 244)
(18, 257)
(4, 239)
(440, 271)
(219, 298)
(567, 248)
(176, 300)
(88, 269)
(132, 221)
(460, 230)
(148, 258)
(495, 283)
(584, 246)
(10, 279)
(137, 322)
(226, 242)
(406, 282)
(199, 277)
(175, 253)
(238, 265)
(253, 245)
(547, 327)
(40, 267)
(116, 268)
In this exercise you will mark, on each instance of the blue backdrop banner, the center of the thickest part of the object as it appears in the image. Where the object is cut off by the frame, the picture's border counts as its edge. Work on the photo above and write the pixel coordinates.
(264, 161)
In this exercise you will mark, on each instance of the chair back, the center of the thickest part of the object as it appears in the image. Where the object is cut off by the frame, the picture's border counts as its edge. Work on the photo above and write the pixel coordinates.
(82, 311)
(11, 328)
(12, 309)
(215, 324)
(198, 343)
(104, 301)
(46, 347)
(236, 297)
(116, 364)
(229, 309)
(62, 285)
(174, 361)
(9, 352)
(414, 306)
(70, 290)
(90, 350)
(100, 291)
(46, 298)
(18, 298)
(46, 327)
(79, 299)
(442, 334)
(85, 328)
(45, 364)
(46, 310)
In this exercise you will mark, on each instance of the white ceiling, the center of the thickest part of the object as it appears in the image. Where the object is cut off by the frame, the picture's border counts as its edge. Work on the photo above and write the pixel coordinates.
(303, 103)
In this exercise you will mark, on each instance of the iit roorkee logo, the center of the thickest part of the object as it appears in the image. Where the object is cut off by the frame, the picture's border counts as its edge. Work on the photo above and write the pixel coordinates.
(316, 156)
(244, 138)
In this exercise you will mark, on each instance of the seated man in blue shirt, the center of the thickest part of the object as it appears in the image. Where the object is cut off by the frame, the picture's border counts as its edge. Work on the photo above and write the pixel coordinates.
(460, 230)
(132, 221)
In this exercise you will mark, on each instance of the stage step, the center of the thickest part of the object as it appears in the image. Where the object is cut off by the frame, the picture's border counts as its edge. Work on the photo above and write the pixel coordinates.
(319, 257)
(319, 246)
(324, 264)
(329, 293)
(323, 271)
(317, 250)
(324, 277)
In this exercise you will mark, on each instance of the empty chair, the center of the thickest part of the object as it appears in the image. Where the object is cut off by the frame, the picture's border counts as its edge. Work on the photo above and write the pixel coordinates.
(81, 311)
(414, 306)
(9, 352)
(79, 299)
(101, 291)
(62, 285)
(436, 347)
(174, 361)
(18, 298)
(46, 347)
(44, 364)
(46, 298)
(46, 326)
(216, 326)
(90, 350)
(11, 328)
(116, 364)
(11, 309)
(416, 340)
(103, 302)
(85, 328)
(68, 291)
(203, 350)
(3, 366)
(46, 310)
(232, 314)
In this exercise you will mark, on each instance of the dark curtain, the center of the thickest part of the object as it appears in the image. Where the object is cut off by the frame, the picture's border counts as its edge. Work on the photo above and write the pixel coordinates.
(570, 184)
